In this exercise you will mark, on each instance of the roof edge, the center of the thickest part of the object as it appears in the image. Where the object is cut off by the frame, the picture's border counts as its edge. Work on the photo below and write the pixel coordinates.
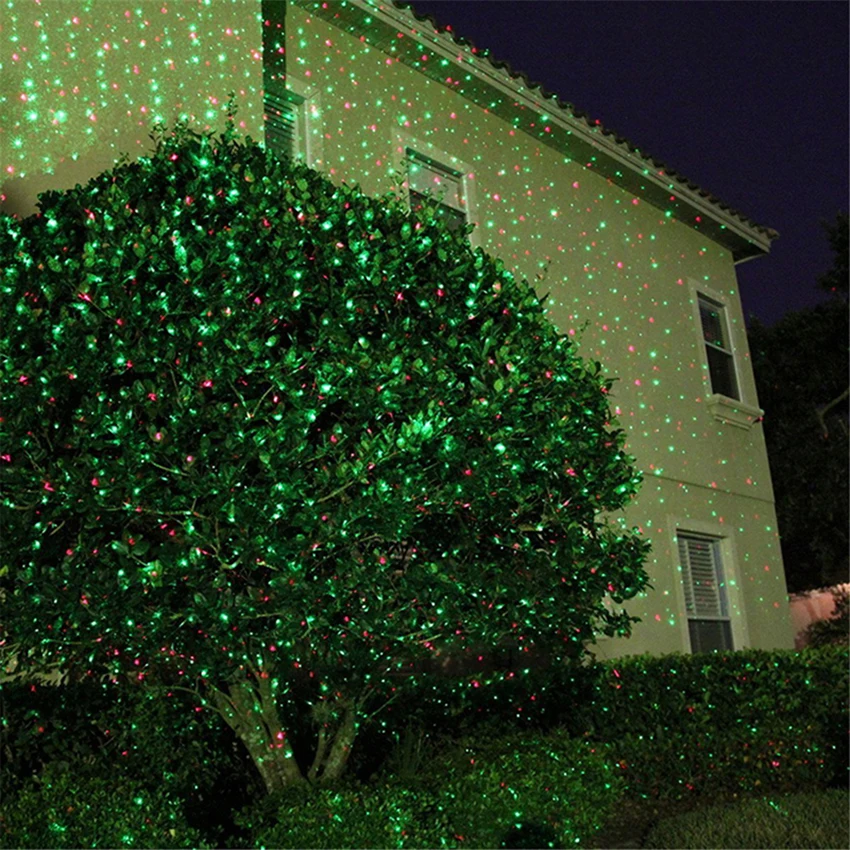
(559, 125)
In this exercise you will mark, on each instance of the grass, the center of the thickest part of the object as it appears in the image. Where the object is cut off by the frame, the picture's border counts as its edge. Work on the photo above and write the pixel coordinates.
(813, 821)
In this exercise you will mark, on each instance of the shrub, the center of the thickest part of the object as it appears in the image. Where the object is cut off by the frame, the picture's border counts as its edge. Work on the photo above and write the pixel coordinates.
(749, 720)
(528, 790)
(384, 815)
(711, 691)
(140, 737)
(677, 764)
(800, 820)
(678, 717)
(60, 808)
(40, 724)
(836, 628)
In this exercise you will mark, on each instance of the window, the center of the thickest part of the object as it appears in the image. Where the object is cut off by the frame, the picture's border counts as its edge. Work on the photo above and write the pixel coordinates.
(718, 350)
(429, 179)
(706, 601)
(285, 119)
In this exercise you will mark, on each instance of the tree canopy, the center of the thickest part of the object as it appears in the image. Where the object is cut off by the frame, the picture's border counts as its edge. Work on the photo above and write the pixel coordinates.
(800, 366)
(272, 440)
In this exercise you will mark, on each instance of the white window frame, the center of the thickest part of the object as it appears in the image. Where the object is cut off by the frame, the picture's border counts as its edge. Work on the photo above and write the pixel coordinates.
(731, 589)
(738, 412)
(408, 147)
(719, 307)
(435, 181)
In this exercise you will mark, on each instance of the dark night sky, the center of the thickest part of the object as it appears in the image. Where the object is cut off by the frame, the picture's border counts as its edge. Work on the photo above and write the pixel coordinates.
(749, 100)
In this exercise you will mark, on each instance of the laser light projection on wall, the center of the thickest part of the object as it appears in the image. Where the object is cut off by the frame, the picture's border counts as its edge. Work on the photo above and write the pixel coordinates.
(280, 437)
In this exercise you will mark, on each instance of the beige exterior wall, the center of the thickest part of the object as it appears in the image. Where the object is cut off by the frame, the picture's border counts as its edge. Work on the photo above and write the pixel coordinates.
(83, 83)
(620, 274)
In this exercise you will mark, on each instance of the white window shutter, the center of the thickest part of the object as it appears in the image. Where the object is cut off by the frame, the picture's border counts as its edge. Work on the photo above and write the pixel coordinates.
(703, 597)
(282, 114)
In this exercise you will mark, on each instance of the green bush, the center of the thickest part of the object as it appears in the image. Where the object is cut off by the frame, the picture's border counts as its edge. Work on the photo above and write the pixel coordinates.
(836, 628)
(40, 724)
(525, 790)
(529, 790)
(800, 820)
(383, 815)
(710, 690)
(678, 764)
(147, 739)
(748, 720)
(60, 808)
(740, 720)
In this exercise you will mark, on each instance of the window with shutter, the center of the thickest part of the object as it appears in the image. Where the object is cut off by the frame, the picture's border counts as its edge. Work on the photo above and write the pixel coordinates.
(429, 179)
(705, 593)
(283, 116)
(718, 350)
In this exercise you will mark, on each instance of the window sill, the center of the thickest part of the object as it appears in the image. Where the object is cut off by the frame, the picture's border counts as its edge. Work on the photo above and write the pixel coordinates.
(733, 412)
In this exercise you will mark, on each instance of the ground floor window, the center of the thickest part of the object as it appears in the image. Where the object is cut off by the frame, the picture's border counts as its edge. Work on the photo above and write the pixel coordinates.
(706, 602)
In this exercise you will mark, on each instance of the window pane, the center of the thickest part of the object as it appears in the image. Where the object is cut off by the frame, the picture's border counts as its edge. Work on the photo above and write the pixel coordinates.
(708, 635)
(453, 219)
(722, 372)
(711, 317)
(427, 178)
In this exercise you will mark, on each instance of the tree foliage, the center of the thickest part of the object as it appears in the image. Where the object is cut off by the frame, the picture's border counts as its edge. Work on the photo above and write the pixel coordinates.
(835, 629)
(800, 366)
(272, 440)
(837, 279)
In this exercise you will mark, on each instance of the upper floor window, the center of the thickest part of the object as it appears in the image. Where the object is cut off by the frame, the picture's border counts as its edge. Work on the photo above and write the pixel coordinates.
(718, 349)
(429, 179)
(706, 603)
(293, 124)
(284, 118)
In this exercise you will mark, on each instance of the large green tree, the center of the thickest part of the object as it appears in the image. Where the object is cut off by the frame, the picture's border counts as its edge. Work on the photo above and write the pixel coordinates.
(800, 366)
(271, 440)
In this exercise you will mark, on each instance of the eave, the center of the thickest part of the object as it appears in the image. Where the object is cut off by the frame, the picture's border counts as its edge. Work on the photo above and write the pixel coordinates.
(394, 28)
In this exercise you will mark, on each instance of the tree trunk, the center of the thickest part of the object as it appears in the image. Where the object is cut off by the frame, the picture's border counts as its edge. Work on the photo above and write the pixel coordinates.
(250, 710)
(334, 746)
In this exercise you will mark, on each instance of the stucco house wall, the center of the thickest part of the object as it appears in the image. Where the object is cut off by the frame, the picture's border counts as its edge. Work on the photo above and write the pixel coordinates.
(84, 83)
(620, 271)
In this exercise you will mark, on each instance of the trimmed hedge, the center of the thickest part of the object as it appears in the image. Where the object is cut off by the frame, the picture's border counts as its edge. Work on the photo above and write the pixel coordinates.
(744, 721)
(528, 790)
(801, 820)
(521, 791)
(677, 724)
(679, 764)
(63, 809)
(709, 691)
(384, 815)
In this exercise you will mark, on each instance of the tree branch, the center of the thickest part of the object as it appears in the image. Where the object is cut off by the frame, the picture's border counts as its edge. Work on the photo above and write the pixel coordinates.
(321, 748)
(252, 415)
(822, 411)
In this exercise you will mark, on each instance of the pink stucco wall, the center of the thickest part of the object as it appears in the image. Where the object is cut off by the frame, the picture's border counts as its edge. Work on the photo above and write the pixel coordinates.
(810, 606)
